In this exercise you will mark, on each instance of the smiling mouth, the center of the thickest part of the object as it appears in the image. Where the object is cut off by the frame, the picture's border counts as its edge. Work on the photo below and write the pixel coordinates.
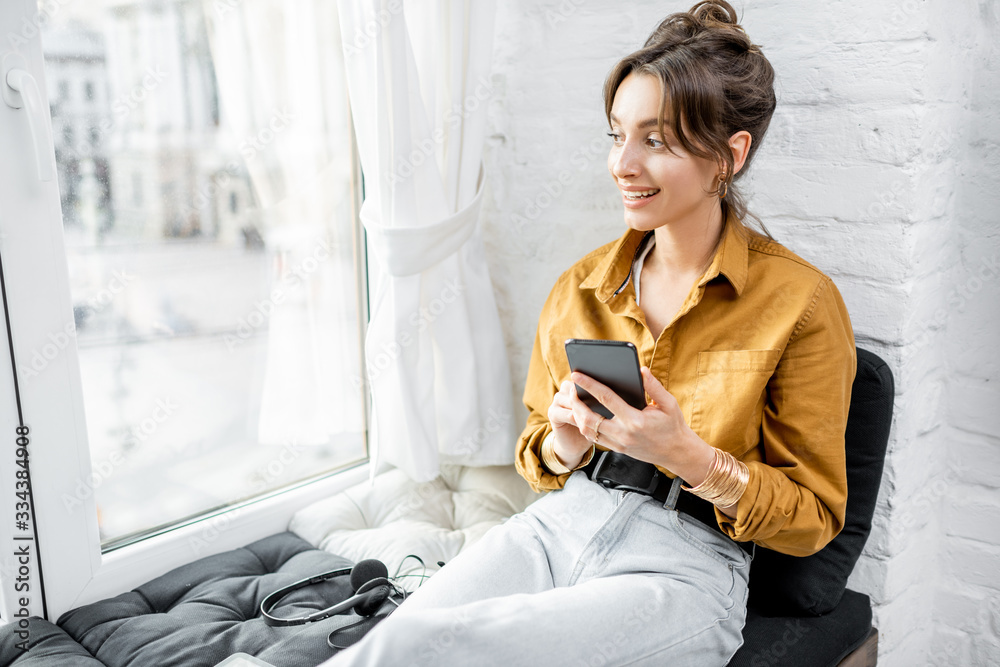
(634, 196)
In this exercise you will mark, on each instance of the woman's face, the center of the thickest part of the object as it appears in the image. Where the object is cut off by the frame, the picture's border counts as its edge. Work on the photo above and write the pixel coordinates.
(658, 187)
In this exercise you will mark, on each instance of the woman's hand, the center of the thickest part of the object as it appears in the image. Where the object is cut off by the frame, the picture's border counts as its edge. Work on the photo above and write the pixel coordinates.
(569, 443)
(657, 434)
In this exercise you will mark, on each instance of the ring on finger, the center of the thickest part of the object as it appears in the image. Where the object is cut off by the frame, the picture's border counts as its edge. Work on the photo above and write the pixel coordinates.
(597, 429)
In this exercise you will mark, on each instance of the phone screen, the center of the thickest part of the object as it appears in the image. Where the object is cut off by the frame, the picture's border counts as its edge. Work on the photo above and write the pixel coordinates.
(613, 363)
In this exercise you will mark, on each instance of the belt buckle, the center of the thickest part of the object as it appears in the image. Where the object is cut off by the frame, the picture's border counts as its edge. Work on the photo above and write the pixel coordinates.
(648, 490)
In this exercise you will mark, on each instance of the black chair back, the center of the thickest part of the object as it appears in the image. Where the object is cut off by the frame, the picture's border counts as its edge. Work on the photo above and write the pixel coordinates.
(792, 597)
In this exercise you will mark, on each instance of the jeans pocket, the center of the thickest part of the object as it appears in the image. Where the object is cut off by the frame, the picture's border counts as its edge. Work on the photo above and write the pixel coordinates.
(720, 571)
(712, 542)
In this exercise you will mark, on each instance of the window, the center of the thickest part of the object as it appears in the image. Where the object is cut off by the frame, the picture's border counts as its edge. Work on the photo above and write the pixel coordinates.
(137, 189)
(208, 304)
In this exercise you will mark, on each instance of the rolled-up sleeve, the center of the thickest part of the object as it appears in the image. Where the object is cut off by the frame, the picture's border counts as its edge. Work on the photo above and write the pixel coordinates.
(538, 393)
(797, 495)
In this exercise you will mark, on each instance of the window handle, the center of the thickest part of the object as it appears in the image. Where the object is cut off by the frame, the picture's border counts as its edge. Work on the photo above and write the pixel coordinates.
(21, 90)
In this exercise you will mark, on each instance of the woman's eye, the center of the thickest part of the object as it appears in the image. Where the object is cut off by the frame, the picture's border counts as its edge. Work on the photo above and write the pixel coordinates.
(653, 142)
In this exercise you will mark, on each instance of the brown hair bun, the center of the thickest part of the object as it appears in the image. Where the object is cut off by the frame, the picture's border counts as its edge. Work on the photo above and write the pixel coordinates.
(714, 17)
(714, 11)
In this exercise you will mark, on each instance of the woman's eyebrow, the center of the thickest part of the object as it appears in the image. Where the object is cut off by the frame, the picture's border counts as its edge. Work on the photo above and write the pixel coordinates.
(649, 122)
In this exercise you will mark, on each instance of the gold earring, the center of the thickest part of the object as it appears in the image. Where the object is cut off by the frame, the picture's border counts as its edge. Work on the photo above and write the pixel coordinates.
(722, 192)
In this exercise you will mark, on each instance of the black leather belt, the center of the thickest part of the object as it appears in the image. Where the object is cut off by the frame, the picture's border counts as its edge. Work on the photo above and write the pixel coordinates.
(620, 471)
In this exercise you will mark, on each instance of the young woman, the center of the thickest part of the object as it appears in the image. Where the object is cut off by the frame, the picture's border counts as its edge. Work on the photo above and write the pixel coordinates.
(748, 361)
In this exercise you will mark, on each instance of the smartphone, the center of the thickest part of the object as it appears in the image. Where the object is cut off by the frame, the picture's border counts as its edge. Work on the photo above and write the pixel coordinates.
(613, 363)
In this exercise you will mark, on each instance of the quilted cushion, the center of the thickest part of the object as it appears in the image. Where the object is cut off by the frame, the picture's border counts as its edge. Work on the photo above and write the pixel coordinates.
(392, 516)
(199, 614)
(49, 646)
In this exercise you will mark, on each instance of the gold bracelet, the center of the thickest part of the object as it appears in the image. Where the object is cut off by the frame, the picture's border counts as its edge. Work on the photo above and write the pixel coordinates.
(709, 485)
(725, 482)
(552, 462)
(732, 481)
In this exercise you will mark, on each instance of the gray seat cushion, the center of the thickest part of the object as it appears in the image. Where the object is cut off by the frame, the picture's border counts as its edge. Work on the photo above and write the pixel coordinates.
(50, 647)
(198, 615)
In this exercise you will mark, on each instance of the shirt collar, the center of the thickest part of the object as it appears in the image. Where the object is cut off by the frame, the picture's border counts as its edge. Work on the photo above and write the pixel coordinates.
(614, 271)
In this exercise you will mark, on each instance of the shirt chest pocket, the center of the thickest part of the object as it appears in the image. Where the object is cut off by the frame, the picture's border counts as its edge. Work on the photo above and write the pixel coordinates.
(729, 396)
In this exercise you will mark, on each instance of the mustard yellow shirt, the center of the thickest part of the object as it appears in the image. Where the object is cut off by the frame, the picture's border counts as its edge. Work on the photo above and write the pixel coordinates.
(760, 358)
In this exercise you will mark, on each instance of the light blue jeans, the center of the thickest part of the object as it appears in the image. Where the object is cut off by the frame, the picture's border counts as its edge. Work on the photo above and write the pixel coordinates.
(584, 576)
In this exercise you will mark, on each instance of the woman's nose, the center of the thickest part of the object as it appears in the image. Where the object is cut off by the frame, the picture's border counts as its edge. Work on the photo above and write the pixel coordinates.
(626, 163)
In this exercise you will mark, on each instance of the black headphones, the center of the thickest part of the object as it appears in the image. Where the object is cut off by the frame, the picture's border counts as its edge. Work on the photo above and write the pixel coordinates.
(369, 579)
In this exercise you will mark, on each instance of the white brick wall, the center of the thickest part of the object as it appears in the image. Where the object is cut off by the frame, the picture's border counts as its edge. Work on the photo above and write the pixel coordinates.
(880, 168)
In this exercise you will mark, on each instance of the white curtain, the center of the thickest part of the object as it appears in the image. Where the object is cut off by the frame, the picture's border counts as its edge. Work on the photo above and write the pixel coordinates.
(279, 75)
(418, 76)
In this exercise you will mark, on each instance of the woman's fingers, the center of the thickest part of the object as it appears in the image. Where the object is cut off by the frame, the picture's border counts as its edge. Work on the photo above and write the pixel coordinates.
(565, 394)
(610, 433)
(647, 435)
(559, 415)
(589, 422)
(562, 411)
(655, 388)
(604, 394)
(606, 435)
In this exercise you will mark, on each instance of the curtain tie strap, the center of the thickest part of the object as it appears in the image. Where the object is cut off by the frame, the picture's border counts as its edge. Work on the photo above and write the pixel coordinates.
(406, 251)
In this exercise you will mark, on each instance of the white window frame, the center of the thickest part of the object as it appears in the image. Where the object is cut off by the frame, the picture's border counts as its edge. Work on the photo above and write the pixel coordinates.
(75, 570)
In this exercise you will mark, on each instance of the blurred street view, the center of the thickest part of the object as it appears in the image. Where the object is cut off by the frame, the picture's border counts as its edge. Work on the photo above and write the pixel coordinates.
(206, 183)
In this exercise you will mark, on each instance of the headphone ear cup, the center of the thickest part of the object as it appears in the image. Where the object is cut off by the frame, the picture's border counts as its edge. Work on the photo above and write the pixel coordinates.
(375, 593)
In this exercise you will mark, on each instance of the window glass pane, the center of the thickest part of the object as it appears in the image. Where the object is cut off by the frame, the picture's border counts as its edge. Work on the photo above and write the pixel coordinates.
(207, 186)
